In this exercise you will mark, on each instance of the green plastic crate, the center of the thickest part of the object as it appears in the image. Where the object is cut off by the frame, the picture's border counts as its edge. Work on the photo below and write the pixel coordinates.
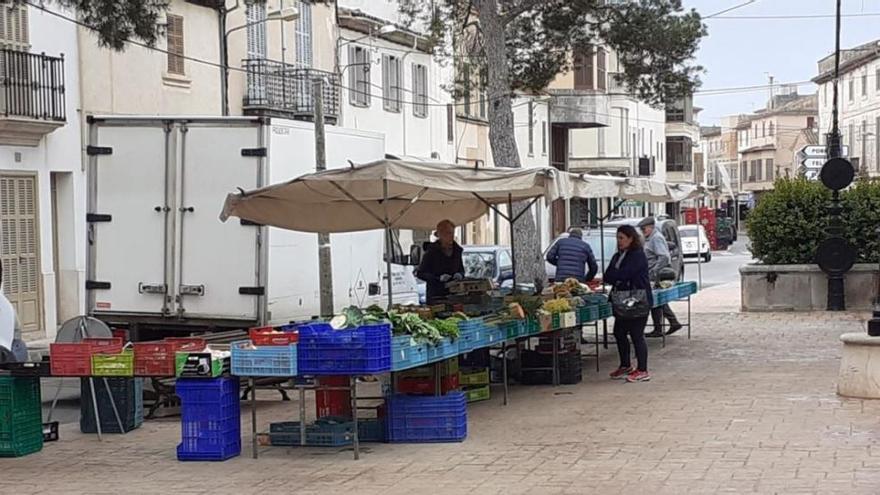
(218, 366)
(470, 377)
(447, 367)
(121, 364)
(21, 416)
(476, 394)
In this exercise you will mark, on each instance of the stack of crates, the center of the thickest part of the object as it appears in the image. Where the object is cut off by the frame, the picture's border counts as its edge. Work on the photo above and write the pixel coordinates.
(210, 419)
(422, 380)
(413, 419)
(537, 368)
(21, 421)
(475, 383)
(128, 396)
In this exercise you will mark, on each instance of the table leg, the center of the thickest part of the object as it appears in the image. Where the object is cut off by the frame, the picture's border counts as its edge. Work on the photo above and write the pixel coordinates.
(252, 384)
(354, 417)
(437, 380)
(605, 333)
(302, 414)
(95, 408)
(689, 317)
(596, 330)
(113, 404)
(504, 369)
(555, 379)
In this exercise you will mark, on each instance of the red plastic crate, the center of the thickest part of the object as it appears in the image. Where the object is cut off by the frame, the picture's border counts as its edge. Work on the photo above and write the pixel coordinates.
(426, 386)
(269, 336)
(333, 402)
(75, 359)
(157, 358)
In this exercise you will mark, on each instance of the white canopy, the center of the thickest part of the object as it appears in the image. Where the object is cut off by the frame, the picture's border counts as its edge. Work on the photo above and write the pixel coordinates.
(402, 194)
(633, 188)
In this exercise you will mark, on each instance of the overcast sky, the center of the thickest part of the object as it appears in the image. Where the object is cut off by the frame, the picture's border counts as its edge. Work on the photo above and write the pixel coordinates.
(740, 52)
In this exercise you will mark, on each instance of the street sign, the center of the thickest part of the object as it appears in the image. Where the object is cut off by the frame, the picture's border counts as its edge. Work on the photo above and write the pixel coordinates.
(817, 151)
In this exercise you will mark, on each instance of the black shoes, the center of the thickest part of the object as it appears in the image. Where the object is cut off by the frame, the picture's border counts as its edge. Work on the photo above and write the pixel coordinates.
(674, 328)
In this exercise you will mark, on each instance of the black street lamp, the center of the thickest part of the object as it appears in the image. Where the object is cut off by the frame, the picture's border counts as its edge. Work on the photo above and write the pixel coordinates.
(874, 322)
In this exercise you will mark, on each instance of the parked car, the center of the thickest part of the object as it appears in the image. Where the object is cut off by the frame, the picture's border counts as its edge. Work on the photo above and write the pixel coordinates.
(669, 229)
(492, 262)
(594, 239)
(689, 235)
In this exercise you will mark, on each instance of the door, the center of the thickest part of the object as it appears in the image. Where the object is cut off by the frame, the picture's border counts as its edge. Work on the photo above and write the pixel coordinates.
(218, 269)
(19, 249)
(129, 215)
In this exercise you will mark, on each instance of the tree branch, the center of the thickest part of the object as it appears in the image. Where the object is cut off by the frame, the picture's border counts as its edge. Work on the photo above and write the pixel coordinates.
(517, 10)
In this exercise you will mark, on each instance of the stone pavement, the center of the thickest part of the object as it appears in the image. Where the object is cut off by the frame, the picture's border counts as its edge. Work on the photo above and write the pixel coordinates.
(747, 406)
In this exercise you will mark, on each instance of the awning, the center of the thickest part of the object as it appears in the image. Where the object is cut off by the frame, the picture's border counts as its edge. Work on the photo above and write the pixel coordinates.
(392, 193)
(633, 188)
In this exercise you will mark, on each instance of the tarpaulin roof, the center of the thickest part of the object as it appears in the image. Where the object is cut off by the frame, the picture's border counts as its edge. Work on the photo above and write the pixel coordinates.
(402, 194)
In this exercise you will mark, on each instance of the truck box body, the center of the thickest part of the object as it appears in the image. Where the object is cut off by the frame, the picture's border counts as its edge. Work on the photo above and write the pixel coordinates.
(158, 253)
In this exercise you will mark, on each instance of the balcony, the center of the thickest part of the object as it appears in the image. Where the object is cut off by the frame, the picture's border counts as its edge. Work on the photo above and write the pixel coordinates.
(579, 109)
(32, 99)
(277, 89)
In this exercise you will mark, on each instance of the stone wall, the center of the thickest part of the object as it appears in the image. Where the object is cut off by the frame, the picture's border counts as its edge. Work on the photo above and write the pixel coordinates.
(803, 287)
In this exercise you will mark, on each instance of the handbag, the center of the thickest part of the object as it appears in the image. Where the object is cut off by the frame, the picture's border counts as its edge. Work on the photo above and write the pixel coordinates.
(630, 304)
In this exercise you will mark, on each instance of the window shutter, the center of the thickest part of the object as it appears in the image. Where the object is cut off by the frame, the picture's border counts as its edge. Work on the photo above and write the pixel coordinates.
(353, 97)
(303, 29)
(14, 29)
(175, 44)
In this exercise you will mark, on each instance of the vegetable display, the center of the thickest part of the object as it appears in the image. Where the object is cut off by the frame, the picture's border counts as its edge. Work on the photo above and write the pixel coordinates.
(554, 306)
(404, 321)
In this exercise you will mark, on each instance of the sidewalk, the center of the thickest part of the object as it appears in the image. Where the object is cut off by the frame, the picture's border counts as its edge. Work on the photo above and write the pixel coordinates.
(747, 406)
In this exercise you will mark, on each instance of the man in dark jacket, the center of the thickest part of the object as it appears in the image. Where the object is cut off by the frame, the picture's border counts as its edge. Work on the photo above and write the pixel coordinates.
(441, 263)
(572, 257)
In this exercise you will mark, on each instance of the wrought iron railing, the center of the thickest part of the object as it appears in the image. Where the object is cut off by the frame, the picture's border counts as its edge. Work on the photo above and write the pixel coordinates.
(32, 86)
(285, 90)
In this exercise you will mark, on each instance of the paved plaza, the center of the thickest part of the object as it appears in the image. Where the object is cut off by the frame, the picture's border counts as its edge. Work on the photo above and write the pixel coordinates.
(747, 405)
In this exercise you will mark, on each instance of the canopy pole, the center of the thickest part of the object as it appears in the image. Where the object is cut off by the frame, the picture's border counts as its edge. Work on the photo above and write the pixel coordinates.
(699, 248)
(510, 220)
(387, 243)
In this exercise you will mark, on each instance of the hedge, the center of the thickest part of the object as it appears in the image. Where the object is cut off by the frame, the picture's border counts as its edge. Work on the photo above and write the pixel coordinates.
(787, 224)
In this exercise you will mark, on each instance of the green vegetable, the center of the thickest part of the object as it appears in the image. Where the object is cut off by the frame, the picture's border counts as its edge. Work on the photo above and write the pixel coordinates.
(448, 327)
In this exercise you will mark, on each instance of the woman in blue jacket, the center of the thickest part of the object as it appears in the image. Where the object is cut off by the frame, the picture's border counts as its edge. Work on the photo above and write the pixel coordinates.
(628, 270)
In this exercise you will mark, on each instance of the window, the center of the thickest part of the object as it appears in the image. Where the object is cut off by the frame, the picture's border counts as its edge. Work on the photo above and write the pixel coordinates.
(877, 144)
(771, 128)
(864, 84)
(14, 29)
(825, 93)
(755, 127)
(863, 137)
(420, 90)
(763, 129)
(851, 137)
(255, 15)
(544, 138)
(174, 35)
(531, 128)
(877, 79)
(745, 170)
(852, 89)
(601, 79)
(359, 76)
(679, 154)
(601, 141)
(583, 69)
(450, 123)
(466, 88)
(811, 122)
(483, 96)
(768, 165)
(391, 83)
(303, 35)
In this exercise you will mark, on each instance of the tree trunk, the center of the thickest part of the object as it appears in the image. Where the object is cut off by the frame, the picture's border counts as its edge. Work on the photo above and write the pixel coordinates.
(502, 138)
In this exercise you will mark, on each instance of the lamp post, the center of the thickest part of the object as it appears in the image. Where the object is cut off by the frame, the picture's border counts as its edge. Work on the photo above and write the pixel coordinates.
(874, 322)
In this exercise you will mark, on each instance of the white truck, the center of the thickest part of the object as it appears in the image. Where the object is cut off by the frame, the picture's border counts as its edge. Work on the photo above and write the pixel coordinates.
(161, 262)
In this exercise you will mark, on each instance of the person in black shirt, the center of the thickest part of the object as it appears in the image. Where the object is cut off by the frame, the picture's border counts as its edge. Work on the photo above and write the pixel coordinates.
(441, 263)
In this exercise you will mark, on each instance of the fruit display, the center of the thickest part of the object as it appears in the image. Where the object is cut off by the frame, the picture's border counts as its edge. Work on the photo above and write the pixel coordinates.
(558, 305)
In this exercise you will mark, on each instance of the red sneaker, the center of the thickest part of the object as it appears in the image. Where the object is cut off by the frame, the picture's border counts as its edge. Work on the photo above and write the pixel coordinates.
(620, 373)
(638, 376)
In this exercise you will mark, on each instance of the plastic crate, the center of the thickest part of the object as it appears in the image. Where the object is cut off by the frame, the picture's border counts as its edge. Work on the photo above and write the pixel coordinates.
(30, 369)
(445, 349)
(128, 395)
(210, 419)
(21, 424)
(363, 350)
(594, 299)
(447, 367)
(371, 430)
(75, 359)
(406, 353)
(158, 358)
(426, 386)
(325, 432)
(472, 377)
(412, 419)
(473, 335)
(605, 311)
(495, 334)
(271, 360)
(121, 364)
(512, 329)
(477, 394)
(194, 365)
(545, 377)
(268, 336)
(687, 289)
(532, 326)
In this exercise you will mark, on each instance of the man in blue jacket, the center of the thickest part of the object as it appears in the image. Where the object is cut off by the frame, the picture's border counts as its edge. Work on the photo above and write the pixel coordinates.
(572, 258)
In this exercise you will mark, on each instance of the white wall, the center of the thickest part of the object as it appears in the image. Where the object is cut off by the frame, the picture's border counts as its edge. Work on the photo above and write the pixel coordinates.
(853, 110)
(405, 133)
(59, 152)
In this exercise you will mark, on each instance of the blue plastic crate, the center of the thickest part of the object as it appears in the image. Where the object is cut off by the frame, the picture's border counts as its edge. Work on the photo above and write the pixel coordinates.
(363, 350)
(324, 432)
(412, 419)
(447, 348)
(495, 334)
(210, 419)
(406, 353)
(264, 360)
(471, 334)
(371, 430)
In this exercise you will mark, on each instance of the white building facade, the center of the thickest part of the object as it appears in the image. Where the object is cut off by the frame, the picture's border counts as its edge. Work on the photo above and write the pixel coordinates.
(42, 183)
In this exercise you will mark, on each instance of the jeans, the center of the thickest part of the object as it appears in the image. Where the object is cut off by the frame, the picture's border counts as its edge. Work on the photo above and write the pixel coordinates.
(634, 329)
(657, 315)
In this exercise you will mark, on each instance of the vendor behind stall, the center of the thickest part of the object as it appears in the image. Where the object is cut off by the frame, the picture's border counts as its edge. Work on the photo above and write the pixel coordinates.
(441, 262)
